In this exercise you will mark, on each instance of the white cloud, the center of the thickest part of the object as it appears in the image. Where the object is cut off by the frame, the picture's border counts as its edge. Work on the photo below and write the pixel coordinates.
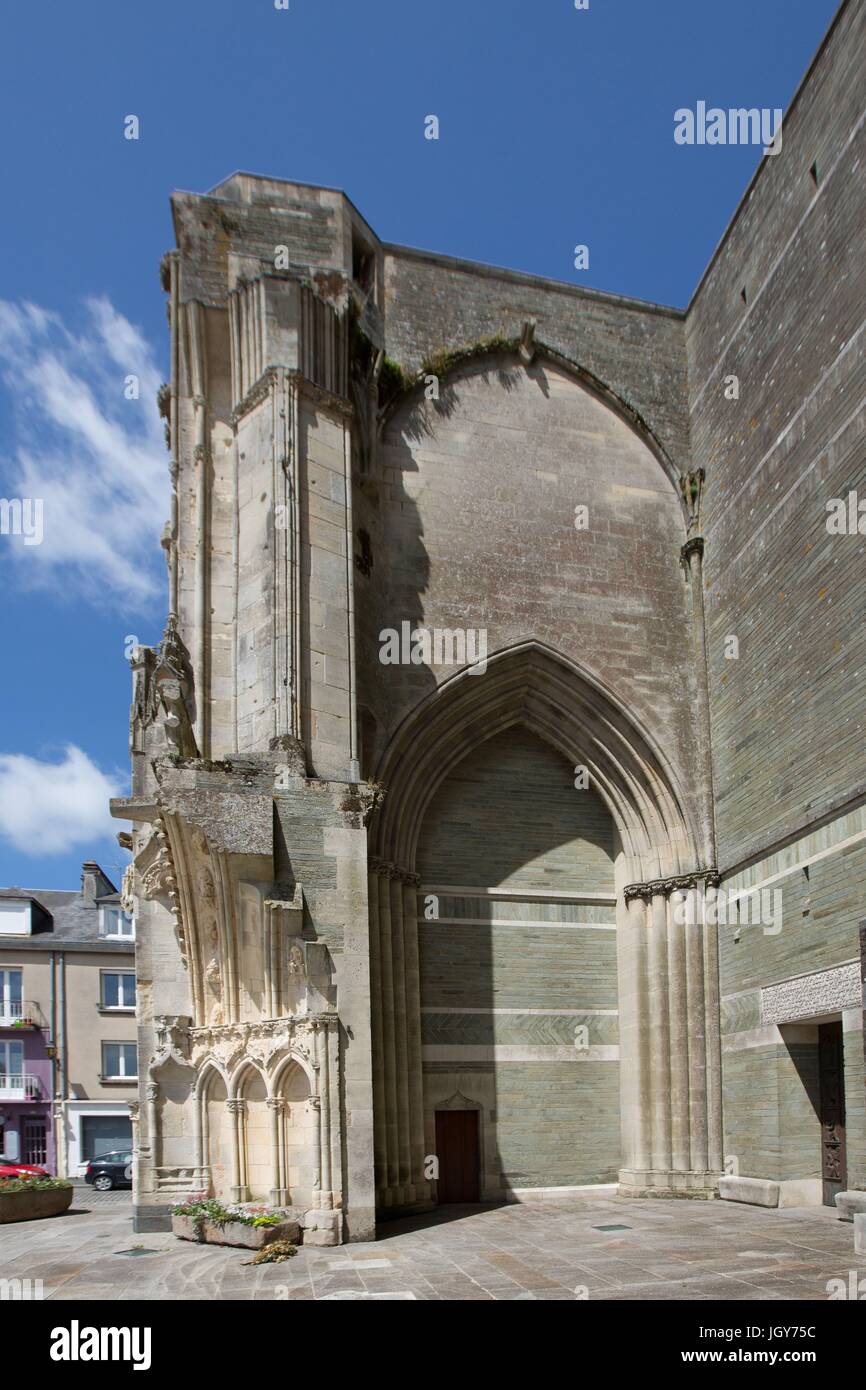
(96, 459)
(49, 808)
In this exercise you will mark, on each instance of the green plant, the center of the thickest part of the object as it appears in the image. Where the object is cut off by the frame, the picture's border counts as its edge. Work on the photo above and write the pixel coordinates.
(393, 380)
(441, 362)
(208, 1209)
(202, 1209)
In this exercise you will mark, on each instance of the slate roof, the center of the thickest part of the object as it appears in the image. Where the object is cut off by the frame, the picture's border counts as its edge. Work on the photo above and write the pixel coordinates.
(73, 924)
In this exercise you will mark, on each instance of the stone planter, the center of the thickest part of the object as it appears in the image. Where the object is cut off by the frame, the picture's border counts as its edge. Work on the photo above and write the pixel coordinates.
(236, 1233)
(34, 1204)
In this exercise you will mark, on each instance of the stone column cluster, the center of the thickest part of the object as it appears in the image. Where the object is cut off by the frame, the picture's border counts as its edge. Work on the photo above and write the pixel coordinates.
(398, 1099)
(671, 1054)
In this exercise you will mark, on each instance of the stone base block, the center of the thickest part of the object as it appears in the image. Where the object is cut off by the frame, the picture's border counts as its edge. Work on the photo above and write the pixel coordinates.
(559, 1195)
(757, 1192)
(801, 1192)
(690, 1183)
(860, 1233)
(849, 1203)
(323, 1228)
(147, 1218)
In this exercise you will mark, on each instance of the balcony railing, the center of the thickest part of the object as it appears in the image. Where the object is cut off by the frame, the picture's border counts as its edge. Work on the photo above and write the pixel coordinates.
(21, 1087)
(21, 1013)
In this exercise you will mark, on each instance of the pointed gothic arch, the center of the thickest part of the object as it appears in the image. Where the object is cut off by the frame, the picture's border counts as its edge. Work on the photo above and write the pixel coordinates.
(667, 973)
(561, 701)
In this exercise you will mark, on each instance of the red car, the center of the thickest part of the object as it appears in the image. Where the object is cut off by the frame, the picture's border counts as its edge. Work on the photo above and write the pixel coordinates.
(11, 1169)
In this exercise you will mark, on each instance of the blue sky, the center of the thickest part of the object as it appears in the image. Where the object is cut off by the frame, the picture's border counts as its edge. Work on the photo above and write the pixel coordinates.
(556, 128)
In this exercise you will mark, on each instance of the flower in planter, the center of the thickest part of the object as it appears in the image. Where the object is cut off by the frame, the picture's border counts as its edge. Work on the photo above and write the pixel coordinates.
(204, 1209)
(32, 1184)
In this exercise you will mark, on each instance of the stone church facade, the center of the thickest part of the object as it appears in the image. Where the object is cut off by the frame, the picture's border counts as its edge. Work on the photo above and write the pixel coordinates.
(507, 637)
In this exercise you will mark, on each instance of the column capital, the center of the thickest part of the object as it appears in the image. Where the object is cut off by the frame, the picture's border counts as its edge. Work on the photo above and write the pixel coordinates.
(386, 869)
(678, 883)
(693, 546)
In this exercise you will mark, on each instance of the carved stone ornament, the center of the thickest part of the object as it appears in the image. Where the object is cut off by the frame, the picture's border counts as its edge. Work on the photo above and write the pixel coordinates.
(679, 883)
(172, 1042)
(157, 878)
(162, 693)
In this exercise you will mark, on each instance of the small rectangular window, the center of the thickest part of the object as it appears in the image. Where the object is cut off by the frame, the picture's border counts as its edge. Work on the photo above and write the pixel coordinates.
(119, 1061)
(115, 923)
(118, 990)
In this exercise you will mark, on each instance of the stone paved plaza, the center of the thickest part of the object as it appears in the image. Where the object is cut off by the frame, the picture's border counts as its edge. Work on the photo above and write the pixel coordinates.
(658, 1250)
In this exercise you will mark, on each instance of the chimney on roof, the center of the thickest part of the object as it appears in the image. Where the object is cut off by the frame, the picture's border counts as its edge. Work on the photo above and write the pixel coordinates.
(94, 883)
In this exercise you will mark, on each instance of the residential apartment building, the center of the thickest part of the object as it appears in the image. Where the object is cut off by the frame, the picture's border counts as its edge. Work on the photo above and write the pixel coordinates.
(68, 1055)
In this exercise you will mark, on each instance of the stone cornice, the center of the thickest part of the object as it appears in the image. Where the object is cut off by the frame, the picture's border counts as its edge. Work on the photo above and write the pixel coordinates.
(264, 1028)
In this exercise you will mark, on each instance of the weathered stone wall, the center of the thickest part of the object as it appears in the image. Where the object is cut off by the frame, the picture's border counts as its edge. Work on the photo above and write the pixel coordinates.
(636, 349)
(777, 978)
(475, 529)
(787, 716)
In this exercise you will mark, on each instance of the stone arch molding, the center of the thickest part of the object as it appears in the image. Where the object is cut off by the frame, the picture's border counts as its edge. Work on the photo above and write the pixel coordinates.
(528, 351)
(562, 702)
(670, 1087)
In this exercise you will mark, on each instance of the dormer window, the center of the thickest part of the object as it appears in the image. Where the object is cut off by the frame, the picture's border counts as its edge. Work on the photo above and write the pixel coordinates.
(115, 924)
(15, 917)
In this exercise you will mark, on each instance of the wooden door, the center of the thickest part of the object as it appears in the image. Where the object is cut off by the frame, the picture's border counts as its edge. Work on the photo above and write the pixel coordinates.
(832, 1073)
(457, 1149)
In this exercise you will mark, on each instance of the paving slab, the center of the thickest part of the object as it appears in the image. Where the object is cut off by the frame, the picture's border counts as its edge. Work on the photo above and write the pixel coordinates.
(695, 1251)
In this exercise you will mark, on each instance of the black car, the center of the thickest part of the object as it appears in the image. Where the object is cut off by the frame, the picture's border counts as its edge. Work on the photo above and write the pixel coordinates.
(110, 1170)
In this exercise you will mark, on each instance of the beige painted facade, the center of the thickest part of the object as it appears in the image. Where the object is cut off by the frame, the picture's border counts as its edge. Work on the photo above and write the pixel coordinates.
(67, 1004)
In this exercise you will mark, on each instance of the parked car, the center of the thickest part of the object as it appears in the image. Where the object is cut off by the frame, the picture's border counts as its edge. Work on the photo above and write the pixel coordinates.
(10, 1168)
(110, 1170)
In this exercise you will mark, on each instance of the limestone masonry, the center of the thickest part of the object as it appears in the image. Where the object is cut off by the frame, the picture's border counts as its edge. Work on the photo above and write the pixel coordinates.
(409, 926)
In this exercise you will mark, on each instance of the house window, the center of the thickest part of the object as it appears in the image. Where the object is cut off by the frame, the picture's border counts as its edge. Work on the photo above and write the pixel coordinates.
(11, 996)
(12, 1067)
(114, 922)
(118, 990)
(119, 1061)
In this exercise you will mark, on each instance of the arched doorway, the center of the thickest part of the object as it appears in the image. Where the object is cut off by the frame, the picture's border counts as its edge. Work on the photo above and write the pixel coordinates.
(666, 977)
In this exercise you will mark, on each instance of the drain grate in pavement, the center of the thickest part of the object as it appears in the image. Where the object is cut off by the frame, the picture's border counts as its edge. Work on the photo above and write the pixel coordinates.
(613, 1228)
